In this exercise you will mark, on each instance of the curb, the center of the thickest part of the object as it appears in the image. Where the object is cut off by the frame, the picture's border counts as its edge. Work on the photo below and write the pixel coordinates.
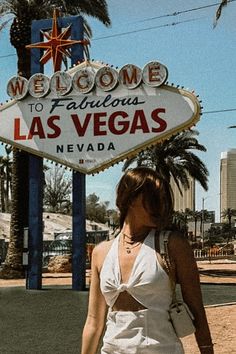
(212, 283)
(220, 305)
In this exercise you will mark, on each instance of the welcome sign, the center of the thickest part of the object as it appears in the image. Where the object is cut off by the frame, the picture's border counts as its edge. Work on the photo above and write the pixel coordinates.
(93, 115)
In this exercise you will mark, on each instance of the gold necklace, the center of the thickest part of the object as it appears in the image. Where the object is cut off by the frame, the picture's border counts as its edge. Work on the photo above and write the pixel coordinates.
(127, 245)
(131, 239)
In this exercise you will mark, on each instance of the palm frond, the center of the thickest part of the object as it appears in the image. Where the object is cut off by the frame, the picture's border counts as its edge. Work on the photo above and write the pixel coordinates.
(219, 11)
(4, 24)
(175, 158)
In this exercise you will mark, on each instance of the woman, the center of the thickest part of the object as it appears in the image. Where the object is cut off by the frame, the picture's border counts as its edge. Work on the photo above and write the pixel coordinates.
(130, 289)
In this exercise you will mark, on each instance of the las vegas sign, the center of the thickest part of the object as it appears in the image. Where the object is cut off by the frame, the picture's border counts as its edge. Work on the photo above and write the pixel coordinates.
(93, 115)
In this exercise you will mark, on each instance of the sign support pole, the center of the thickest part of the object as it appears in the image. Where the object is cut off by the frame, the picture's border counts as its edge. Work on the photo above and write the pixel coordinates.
(79, 233)
(78, 195)
(34, 273)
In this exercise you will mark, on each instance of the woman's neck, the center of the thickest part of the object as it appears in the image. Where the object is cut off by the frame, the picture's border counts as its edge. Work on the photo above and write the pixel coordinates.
(134, 232)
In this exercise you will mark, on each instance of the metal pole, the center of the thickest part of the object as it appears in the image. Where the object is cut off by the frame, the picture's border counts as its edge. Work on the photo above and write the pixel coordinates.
(34, 279)
(78, 193)
(79, 233)
(34, 272)
(203, 199)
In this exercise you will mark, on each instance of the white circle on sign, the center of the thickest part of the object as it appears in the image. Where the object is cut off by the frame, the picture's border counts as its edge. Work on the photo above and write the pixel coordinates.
(154, 74)
(39, 85)
(60, 83)
(17, 87)
(130, 76)
(106, 78)
(83, 80)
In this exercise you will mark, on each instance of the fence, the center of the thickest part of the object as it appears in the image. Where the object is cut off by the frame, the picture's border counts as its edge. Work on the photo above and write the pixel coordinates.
(212, 253)
(62, 246)
(59, 246)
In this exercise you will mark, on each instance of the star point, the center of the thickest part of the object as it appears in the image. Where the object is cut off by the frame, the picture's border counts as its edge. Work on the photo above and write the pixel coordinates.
(57, 44)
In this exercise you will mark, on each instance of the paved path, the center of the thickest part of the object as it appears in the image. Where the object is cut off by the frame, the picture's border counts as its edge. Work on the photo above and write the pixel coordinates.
(210, 272)
(221, 271)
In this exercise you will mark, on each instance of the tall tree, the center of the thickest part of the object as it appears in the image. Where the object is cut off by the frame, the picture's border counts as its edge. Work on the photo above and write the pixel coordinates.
(96, 210)
(173, 157)
(195, 215)
(228, 214)
(23, 13)
(180, 221)
(57, 190)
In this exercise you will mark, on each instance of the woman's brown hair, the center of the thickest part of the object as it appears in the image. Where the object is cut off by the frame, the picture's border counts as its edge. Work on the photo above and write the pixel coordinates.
(156, 192)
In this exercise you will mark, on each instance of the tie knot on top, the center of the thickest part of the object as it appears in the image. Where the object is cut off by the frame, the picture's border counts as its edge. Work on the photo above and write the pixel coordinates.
(122, 287)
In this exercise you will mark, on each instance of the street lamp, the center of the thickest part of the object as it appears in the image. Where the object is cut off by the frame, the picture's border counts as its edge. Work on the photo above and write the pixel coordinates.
(203, 201)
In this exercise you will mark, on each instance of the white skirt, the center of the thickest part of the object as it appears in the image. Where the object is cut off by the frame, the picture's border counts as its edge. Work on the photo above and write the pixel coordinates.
(141, 332)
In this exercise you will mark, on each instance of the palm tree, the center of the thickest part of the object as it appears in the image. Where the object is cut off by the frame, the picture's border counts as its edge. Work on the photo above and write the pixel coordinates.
(24, 12)
(228, 214)
(195, 215)
(204, 216)
(5, 180)
(173, 158)
(180, 221)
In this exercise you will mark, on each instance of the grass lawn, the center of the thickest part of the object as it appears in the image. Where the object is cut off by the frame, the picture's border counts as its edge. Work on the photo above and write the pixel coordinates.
(45, 321)
(50, 321)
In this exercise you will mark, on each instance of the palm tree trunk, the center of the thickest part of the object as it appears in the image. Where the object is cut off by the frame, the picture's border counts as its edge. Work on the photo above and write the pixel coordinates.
(13, 267)
(7, 186)
(2, 190)
(23, 63)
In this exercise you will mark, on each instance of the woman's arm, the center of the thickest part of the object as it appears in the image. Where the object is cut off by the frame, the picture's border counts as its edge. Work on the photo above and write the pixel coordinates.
(97, 310)
(187, 276)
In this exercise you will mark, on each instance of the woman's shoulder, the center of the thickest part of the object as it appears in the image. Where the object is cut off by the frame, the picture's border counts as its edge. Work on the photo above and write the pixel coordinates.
(100, 252)
(176, 237)
(179, 245)
(103, 246)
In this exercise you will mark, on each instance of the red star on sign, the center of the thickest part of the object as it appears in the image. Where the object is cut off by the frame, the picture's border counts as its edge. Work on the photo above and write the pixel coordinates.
(57, 44)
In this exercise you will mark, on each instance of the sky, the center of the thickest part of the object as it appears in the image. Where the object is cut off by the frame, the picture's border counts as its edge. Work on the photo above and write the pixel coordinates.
(198, 57)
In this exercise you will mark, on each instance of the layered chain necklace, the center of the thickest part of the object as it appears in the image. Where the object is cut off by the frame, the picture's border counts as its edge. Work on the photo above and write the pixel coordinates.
(130, 244)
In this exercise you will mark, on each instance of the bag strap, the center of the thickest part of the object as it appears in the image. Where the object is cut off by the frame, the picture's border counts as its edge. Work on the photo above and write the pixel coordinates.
(164, 252)
(163, 243)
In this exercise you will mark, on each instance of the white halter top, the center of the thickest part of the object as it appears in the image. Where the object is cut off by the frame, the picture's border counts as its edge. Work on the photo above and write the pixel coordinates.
(148, 283)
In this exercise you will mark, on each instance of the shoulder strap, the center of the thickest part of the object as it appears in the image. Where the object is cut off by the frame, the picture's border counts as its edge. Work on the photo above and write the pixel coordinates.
(164, 252)
(163, 243)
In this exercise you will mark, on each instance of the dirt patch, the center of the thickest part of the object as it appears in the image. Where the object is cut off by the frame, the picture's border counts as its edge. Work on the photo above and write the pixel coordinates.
(222, 325)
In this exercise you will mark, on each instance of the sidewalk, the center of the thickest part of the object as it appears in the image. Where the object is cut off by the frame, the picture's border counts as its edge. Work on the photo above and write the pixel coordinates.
(216, 272)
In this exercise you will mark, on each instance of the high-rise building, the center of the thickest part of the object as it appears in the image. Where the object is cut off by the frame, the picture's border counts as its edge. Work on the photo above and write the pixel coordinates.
(228, 180)
(187, 200)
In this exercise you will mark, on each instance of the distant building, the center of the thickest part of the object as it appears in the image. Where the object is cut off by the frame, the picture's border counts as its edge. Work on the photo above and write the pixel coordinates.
(228, 180)
(187, 200)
